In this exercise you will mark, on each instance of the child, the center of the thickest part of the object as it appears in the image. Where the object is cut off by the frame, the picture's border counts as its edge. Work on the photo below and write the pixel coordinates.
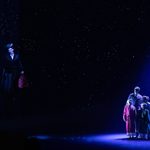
(146, 100)
(129, 114)
(144, 121)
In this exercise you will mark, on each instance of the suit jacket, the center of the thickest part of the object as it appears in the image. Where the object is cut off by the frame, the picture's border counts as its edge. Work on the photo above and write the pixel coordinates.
(12, 65)
(11, 72)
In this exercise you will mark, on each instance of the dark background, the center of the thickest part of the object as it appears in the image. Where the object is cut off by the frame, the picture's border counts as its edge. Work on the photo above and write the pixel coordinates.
(81, 58)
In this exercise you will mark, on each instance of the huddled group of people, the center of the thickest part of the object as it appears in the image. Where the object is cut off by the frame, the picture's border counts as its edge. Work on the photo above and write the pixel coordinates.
(136, 115)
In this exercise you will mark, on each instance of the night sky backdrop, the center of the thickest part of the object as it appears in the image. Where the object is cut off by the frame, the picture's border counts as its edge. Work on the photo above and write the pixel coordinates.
(82, 58)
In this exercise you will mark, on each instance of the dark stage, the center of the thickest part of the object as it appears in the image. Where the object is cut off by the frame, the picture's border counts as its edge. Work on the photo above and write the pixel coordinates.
(43, 133)
(82, 59)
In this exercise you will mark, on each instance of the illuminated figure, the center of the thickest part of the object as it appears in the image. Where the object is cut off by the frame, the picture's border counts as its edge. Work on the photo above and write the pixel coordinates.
(136, 99)
(129, 115)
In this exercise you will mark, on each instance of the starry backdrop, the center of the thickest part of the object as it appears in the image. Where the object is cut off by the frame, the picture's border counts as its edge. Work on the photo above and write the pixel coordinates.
(102, 47)
(82, 58)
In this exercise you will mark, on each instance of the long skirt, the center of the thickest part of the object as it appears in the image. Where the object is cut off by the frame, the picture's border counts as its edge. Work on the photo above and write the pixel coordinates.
(130, 125)
(8, 83)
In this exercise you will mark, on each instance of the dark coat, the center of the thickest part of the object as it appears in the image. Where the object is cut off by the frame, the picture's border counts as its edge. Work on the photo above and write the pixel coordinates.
(11, 69)
(143, 120)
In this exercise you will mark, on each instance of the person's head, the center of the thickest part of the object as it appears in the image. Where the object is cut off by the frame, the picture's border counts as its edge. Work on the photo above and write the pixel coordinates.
(10, 47)
(143, 105)
(145, 99)
(129, 102)
(136, 90)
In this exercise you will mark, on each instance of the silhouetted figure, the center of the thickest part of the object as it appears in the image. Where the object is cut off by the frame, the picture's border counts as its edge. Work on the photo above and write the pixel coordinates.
(144, 121)
(11, 70)
(146, 100)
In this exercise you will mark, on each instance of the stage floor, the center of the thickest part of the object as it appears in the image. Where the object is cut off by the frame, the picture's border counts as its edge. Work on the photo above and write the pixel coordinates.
(90, 142)
(39, 132)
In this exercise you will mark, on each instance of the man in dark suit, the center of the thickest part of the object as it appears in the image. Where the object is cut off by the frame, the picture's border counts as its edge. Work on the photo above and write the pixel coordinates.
(136, 99)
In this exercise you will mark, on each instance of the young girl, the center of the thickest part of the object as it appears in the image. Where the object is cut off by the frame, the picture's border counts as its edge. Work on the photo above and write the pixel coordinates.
(129, 114)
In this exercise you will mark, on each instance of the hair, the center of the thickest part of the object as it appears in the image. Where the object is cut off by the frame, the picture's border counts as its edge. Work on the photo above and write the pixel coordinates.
(9, 45)
(145, 97)
(129, 101)
(137, 88)
(143, 104)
